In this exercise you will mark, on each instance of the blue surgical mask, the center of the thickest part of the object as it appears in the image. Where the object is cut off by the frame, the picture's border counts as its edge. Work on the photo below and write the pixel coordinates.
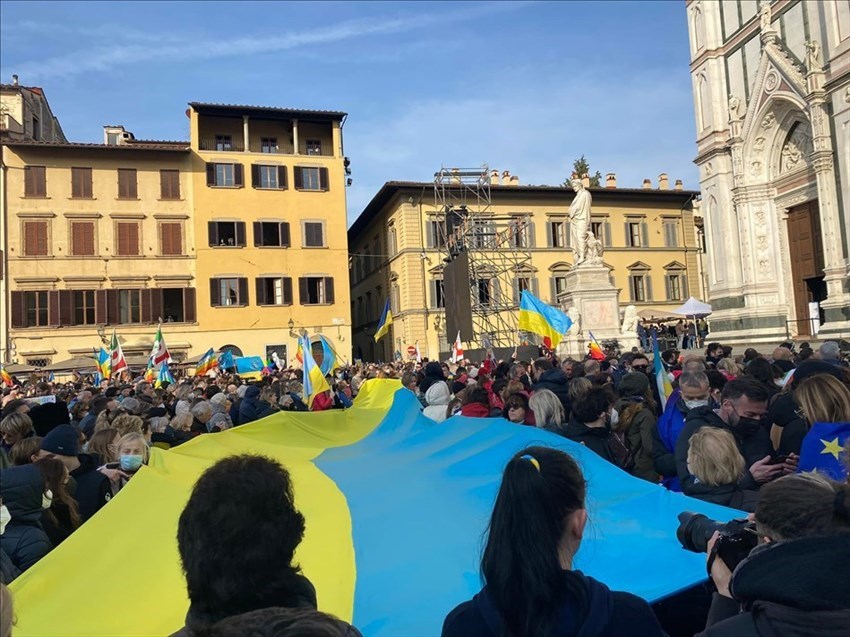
(130, 462)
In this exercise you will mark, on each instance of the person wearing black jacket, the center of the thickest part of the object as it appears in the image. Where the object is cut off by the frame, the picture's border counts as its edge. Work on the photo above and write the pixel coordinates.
(591, 426)
(743, 404)
(530, 586)
(24, 540)
(90, 488)
(552, 378)
(252, 408)
(796, 583)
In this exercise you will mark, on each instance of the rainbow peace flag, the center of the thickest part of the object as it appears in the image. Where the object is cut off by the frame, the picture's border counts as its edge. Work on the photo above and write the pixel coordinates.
(596, 352)
(541, 318)
(207, 363)
(363, 518)
(4, 376)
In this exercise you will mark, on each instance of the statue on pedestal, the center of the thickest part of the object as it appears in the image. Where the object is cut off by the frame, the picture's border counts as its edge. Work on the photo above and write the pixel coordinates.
(594, 249)
(813, 56)
(575, 317)
(579, 220)
(765, 15)
(630, 321)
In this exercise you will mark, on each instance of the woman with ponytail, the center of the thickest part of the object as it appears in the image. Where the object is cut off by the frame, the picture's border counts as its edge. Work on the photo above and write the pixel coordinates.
(797, 580)
(530, 588)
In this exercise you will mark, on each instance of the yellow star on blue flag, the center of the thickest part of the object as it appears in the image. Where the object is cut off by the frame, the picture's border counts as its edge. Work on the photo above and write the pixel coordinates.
(824, 449)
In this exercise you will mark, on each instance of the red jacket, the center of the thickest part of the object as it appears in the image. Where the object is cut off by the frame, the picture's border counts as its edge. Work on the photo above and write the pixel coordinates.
(475, 410)
(322, 401)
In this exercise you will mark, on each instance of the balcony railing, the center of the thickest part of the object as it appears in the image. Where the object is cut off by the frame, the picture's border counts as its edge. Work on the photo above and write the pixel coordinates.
(270, 149)
(234, 146)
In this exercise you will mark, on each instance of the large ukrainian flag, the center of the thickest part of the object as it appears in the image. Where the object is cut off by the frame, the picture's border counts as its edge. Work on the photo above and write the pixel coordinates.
(539, 317)
(395, 505)
(384, 323)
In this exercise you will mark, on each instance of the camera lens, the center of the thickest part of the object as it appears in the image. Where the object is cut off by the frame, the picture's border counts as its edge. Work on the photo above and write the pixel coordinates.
(695, 530)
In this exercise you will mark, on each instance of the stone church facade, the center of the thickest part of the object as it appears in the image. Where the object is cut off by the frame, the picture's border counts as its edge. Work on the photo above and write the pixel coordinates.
(771, 85)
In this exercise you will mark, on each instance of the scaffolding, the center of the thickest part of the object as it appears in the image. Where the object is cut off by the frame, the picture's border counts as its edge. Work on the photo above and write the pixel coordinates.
(498, 247)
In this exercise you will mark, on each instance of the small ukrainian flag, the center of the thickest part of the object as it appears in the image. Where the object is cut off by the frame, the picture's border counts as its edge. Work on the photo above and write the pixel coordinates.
(385, 322)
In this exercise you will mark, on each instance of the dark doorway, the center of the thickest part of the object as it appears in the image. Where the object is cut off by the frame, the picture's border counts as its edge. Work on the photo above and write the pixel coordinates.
(806, 251)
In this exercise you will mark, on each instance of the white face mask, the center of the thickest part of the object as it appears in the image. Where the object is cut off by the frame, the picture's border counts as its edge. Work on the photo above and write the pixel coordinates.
(47, 499)
(5, 517)
(695, 404)
(615, 417)
(779, 382)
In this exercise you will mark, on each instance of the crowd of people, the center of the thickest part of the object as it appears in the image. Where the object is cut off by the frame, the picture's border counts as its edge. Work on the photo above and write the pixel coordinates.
(730, 432)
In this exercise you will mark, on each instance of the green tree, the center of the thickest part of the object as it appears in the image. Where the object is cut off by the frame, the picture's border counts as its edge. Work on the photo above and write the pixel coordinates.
(581, 168)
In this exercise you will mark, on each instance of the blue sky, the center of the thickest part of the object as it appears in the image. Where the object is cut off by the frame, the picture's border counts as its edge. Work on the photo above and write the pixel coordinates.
(526, 87)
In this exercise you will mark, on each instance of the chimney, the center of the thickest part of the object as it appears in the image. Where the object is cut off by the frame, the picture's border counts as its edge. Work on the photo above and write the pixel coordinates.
(678, 185)
(506, 177)
(647, 184)
(514, 180)
(494, 178)
(610, 180)
(585, 180)
(663, 182)
(14, 79)
(455, 175)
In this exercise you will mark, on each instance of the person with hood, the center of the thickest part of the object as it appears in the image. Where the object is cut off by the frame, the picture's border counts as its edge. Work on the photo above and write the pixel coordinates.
(530, 587)
(552, 378)
(91, 488)
(433, 373)
(437, 399)
(591, 425)
(237, 538)
(220, 405)
(636, 415)
(252, 407)
(743, 405)
(24, 540)
(477, 403)
(796, 583)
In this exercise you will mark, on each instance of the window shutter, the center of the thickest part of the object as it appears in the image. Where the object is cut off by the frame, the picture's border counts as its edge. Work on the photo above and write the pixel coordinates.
(606, 232)
(432, 299)
(431, 239)
(243, 291)
(77, 239)
(65, 307)
(215, 293)
(553, 290)
(212, 230)
(530, 234)
(122, 238)
(145, 315)
(260, 289)
(177, 238)
(30, 239)
(299, 177)
(329, 290)
(189, 313)
(53, 319)
(281, 178)
(323, 179)
(287, 290)
(627, 230)
(237, 175)
(18, 314)
(258, 234)
(255, 175)
(568, 238)
(240, 233)
(535, 288)
(302, 290)
(549, 231)
(516, 289)
(100, 307)
(668, 287)
(133, 184)
(284, 235)
(647, 286)
(164, 185)
(495, 292)
(165, 246)
(644, 234)
(112, 315)
(35, 181)
(133, 234)
(156, 305)
(210, 174)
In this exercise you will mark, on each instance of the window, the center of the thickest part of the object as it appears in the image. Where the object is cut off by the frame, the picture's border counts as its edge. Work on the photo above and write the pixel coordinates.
(226, 233)
(82, 306)
(392, 246)
(558, 234)
(35, 181)
(274, 291)
(269, 145)
(82, 238)
(111, 139)
(522, 283)
(522, 233)
(438, 296)
(314, 147)
(674, 287)
(223, 142)
(633, 234)
(483, 234)
(314, 234)
(171, 238)
(224, 175)
(228, 291)
(637, 287)
(671, 234)
(559, 286)
(602, 231)
(129, 306)
(35, 238)
(81, 183)
(433, 232)
(271, 234)
(309, 178)
(316, 290)
(169, 184)
(268, 177)
(35, 309)
(128, 238)
(395, 298)
(127, 188)
(36, 128)
(484, 292)
(178, 305)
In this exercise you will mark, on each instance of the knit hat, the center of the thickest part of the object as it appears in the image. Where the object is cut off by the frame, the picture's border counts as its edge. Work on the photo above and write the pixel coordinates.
(633, 384)
(157, 412)
(219, 399)
(62, 441)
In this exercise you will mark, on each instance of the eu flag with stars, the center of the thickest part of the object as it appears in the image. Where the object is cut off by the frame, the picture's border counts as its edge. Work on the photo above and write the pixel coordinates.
(825, 449)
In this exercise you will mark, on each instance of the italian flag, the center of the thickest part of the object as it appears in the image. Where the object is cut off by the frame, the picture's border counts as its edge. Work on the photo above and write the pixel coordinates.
(159, 353)
(119, 363)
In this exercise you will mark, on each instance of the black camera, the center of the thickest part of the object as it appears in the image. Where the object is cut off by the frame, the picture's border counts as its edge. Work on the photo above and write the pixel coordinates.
(737, 537)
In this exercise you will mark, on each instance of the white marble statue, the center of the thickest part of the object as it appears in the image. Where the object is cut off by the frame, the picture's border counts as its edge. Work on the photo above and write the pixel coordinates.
(630, 321)
(579, 220)
(575, 317)
(765, 15)
(734, 109)
(813, 55)
(594, 249)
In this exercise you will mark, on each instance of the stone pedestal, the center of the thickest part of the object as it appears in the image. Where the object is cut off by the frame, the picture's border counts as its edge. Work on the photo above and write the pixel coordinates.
(589, 289)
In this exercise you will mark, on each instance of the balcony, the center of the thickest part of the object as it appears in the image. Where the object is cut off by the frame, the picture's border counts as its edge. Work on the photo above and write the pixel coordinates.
(217, 145)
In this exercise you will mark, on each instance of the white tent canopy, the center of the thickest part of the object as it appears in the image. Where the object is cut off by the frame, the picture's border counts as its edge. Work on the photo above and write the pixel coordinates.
(693, 307)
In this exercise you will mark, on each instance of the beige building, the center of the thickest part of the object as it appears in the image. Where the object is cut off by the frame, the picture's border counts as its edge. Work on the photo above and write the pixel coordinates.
(771, 84)
(648, 235)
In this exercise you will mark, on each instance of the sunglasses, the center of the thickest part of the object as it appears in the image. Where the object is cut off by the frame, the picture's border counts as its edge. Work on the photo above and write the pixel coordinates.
(642, 368)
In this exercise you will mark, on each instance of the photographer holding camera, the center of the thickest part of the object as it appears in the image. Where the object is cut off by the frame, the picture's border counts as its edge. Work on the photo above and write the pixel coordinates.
(743, 404)
(796, 581)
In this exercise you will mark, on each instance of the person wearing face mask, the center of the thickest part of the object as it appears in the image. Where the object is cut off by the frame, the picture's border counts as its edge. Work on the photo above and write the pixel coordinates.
(133, 452)
(61, 515)
(8, 571)
(24, 540)
(594, 418)
(743, 405)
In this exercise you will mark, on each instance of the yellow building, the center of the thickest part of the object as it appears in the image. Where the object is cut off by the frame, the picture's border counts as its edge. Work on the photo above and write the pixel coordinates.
(217, 237)
(650, 248)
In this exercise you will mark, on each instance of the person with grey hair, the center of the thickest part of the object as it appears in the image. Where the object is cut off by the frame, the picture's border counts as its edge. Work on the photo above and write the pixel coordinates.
(131, 406)
(548, 410)
(830, 352)
(220, 404)
(201, 415)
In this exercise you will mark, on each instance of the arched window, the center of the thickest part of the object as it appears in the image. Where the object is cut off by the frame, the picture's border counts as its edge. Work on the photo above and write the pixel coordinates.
(703, 103)
(697, 28)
